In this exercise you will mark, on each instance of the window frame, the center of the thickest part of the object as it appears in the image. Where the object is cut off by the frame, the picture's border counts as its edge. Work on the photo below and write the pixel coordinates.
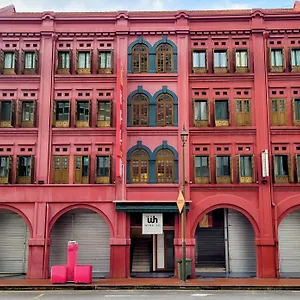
(27, 179)
(201, 123)
(11, 121)
(241, 69)
(163, 61)
(27, 123)
(60, 123)
(106, 122)
(276, 68)
(79, 176)
(243, 118)
(202, 179)
(164, 175)
(60, 69)
(278, 118)
(283, 178)
(6, 179)
(220, 69)
(86, 70)
(103, 179)
(246, 179)
(200, 69)
(13, 70)
(83, 123)
(296, 122)
(106, 69)
(163, 122)
(224, 179)
(34, 63)
(222, 122)
(137, 57)
(140, 166)
(60, 175)
(134, 101)
(297, 166)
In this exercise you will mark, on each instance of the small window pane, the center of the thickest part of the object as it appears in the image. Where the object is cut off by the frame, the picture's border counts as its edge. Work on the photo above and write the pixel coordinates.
(5, 111)
(223, 165)
(9, 60)
(281, 165)
(84, 60)
(200, 111)
(4, 166)
(29, 60)
(27, 111)
(246, 166)
(297, 109)
(199, 59)
(221, 112)
(63, 60)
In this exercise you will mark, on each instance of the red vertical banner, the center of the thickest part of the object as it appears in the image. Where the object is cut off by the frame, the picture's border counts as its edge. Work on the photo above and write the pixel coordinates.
(119, 120)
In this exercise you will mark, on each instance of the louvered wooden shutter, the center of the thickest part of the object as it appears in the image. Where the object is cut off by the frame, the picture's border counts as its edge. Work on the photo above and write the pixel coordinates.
(34, 110)
(239, 114)
(209, 169)
(248, 115)
(12, 113)
(234, 59)
(69, 115)
(56, 172)
(248, 59)
(91, 61)
(297, 167)
(274, 168)
(253, 168)
(208, 112)
(231, 169)
(294, 113)
(18, 168)
(283, 59)
(77, 172)
(9, 171)
(36, 57)
(215, 115)
(112, 61)
(20, 111)
(1, 61)
(228, 60)
(16, 61)
(70, 61)
(57, 61)
(77, 61)
(64, 171)
(54, 114)
(22, 61)
(291, 179)
(90, 113)
(238, 167)
(229, 112)
(76, 112)
(32, 169)
(270, 58)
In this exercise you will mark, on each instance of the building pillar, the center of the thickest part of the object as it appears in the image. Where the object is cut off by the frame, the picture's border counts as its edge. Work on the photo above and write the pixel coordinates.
(266, 261)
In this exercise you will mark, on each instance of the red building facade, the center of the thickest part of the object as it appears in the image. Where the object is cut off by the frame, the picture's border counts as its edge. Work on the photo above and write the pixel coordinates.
(229, 77)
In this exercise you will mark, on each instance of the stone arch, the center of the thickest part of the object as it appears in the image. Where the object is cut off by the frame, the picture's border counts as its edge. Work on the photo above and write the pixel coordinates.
(152, 103)
(226, 201)
(165, 145)
(165, 90)
(287, 206)
(139, 145)
(165, 40)
(84, 206)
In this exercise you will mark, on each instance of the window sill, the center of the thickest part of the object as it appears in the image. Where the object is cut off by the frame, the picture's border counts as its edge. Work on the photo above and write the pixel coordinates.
(152, 185)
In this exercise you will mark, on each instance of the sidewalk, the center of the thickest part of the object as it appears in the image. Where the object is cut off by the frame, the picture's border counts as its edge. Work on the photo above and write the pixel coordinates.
(156, 283)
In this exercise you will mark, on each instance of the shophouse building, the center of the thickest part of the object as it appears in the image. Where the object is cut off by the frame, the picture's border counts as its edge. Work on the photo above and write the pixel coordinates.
(92, 108)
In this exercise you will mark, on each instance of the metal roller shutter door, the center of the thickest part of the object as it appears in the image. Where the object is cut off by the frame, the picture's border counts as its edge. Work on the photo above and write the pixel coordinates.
(91, 233)
(289, 245)
(241, 239)
(14, 236)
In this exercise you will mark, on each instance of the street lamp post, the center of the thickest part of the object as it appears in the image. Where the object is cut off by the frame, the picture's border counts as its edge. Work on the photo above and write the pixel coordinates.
(184, 136)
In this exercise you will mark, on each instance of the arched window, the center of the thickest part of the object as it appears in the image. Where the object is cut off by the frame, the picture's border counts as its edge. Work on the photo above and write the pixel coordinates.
(139, 166)
(139, 110)
(140, 59)
(165, 166)
(164, 59)
(164, 110)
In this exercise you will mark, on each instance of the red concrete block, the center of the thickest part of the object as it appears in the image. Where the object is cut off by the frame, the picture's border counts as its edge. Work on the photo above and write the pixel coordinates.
(83, 274)
(59, 274)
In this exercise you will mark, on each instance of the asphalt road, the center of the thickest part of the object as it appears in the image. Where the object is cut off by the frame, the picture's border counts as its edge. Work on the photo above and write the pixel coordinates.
(153, 295)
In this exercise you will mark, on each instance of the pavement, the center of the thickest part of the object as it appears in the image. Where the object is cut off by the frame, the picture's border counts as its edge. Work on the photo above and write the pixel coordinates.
(156, 283)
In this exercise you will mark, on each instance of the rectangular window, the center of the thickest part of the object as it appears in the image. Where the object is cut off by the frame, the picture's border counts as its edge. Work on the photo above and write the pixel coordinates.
(9, 60)
(282, 169)
(104, 114)
(25, 169)
(243, 112)
(278, 112)
(84, 60)
(61, 114)
(27, 113)
(277, 60)
(5, 168)
(241, 60)
(63, 61)
(102, 169)
(201, 113)
(105, 62)
(221, 113)
(7, 113)
(60, 170)
(296, 110)
(246, 169)
(223, 169)
(82, 114)
(81, 169)
(295, 57)
(202, 171)
(220, 60)
(29, 60)
(199, 61)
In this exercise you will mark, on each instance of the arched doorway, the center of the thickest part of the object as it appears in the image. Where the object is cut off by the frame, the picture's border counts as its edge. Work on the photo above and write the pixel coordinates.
(92, 234)
(14, 235)
(225, 245)
(289, 245)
